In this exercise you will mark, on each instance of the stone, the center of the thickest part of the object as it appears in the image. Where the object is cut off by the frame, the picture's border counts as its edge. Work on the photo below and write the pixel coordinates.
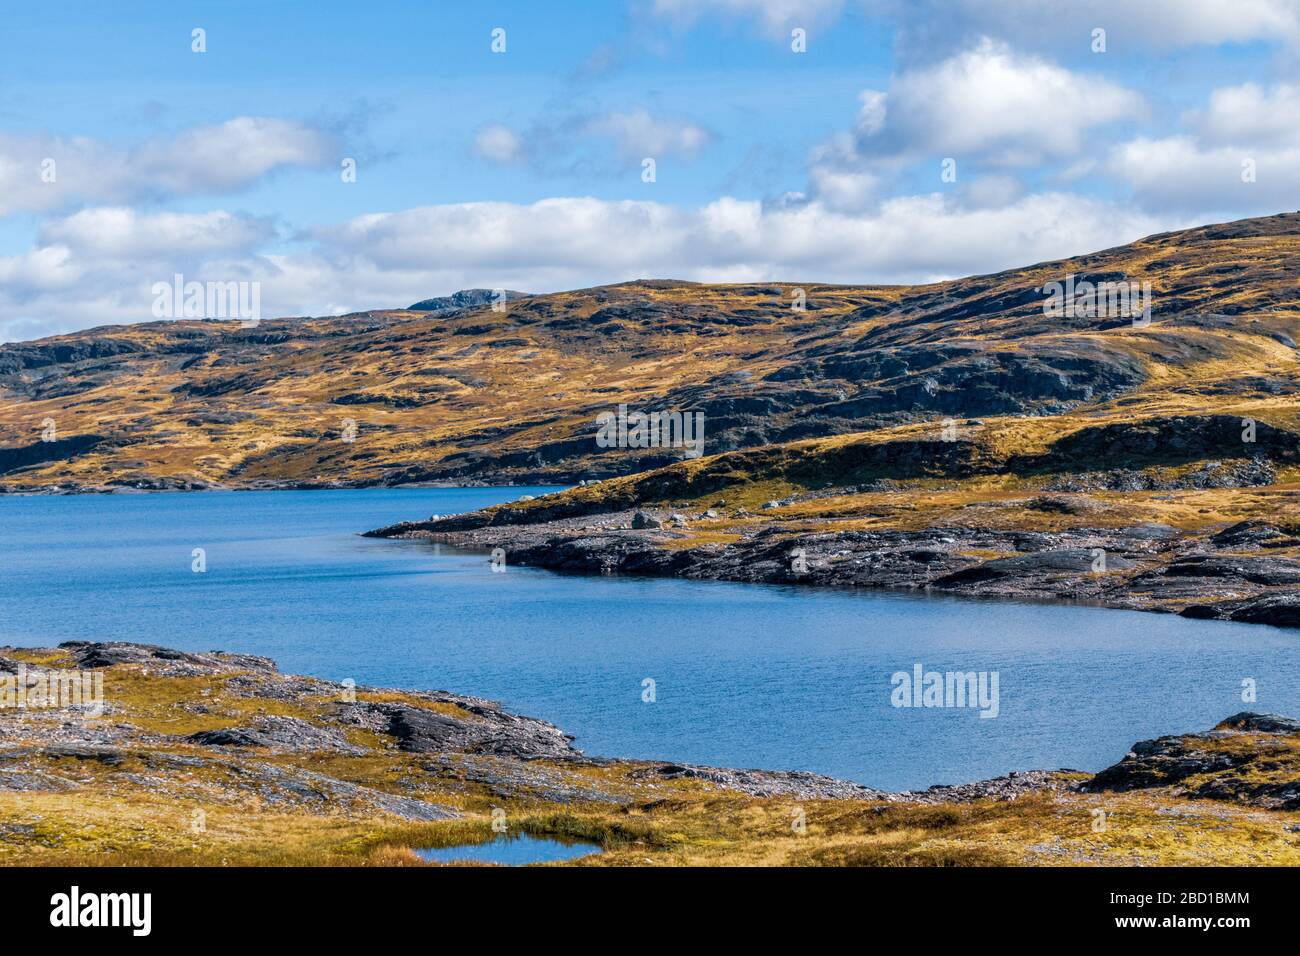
(644, 519)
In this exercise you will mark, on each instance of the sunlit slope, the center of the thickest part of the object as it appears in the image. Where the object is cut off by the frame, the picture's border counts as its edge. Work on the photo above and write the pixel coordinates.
(472, 394)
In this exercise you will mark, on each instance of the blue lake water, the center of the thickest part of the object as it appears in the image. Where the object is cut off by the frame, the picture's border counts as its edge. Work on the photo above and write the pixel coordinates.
(744, 675)
(513, 849)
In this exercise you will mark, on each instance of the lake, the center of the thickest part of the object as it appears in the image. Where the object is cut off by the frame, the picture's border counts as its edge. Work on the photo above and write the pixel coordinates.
(739, 675)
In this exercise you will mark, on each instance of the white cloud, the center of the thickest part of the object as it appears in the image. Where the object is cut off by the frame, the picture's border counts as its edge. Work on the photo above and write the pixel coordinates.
(1013, 109)
(574, 242)
(391, 259)
(985, 105)
(775, 17)
(96, 267)
(1250, 114)
(637, 134)
(124, 234)
(499, 144)
(215, 159)
(839, 177)
(1239, 156)
(201, 161)
(1177, 172)
(41, 269)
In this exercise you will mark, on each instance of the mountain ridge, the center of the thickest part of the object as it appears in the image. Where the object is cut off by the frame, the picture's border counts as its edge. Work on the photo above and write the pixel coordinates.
(473, 395)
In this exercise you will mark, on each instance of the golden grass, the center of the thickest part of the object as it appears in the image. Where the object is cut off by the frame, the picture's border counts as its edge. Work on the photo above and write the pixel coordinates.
(465, 384)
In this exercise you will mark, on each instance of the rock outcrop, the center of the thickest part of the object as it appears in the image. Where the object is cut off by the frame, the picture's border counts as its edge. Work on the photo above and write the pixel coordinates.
(1247, 758)
(1147, 566)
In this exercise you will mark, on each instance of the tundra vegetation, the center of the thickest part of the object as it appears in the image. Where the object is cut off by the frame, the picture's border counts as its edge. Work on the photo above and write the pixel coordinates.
(457, 391)
(218, 759)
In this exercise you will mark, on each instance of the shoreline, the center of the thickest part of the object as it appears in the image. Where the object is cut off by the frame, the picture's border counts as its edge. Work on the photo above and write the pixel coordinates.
(306, 771)
(90, 490)
(1229, 575)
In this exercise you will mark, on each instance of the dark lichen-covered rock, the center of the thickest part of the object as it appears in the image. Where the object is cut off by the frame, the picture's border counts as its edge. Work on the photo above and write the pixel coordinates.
(1248, 758)
(1042, 563)
(1280, 609)
(1246, 534)
(229, 737)
(1260, 723)
(472, 727)
(1269, 571)
(279, 733)
(798, 785)
(1162, 762)
(88, 654)
(643, 519)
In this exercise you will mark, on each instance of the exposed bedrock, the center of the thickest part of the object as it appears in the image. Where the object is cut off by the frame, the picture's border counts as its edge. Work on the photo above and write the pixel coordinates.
(1144, 567)
(1244, 759)
(459, 741)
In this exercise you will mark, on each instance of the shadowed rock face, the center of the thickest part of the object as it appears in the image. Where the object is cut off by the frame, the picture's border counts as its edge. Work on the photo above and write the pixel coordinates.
(481, 729)
(1280, 610)
(39, 453)
(290, 734)
(1247, 758)
(453, 391)
(465, 299)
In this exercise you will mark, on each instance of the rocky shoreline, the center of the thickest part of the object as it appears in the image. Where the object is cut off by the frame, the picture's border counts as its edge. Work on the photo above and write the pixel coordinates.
(437, 723)
(155, 485)
(1244, 572)
(214, 758)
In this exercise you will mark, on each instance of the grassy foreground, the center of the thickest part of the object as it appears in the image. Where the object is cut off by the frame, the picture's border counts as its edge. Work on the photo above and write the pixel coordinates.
(133, 787)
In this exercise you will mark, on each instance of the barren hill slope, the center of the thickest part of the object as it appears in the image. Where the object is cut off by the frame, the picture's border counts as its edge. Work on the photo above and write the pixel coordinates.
(471, 394)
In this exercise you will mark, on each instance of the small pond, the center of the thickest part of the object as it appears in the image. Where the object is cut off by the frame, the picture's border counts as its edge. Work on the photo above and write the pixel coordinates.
(511, 849)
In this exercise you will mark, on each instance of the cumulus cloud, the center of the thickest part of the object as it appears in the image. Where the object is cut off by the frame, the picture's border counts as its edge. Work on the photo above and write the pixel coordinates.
(1251, 114)
(124, 234)
(1238, 156)
(986, 105)
(1177, 172)
(841, 186)
(1013, 109)
(390, 259)
(40, 172)
(96, 267)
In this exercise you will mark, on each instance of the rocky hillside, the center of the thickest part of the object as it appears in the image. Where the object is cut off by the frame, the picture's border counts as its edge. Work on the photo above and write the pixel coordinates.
(463, 392)
(219, 759)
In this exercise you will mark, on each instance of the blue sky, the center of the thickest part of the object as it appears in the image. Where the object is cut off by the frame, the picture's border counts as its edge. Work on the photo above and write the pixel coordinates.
(523, 169)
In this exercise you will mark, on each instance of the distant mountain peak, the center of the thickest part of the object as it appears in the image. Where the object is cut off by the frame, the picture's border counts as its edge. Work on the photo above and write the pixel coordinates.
(464, 299)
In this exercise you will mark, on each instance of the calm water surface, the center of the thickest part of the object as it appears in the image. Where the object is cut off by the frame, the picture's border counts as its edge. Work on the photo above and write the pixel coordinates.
(511, 849)
(745, 675)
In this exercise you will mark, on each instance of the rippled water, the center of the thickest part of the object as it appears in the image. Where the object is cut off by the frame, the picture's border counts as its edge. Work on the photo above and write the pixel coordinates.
(743, 675)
